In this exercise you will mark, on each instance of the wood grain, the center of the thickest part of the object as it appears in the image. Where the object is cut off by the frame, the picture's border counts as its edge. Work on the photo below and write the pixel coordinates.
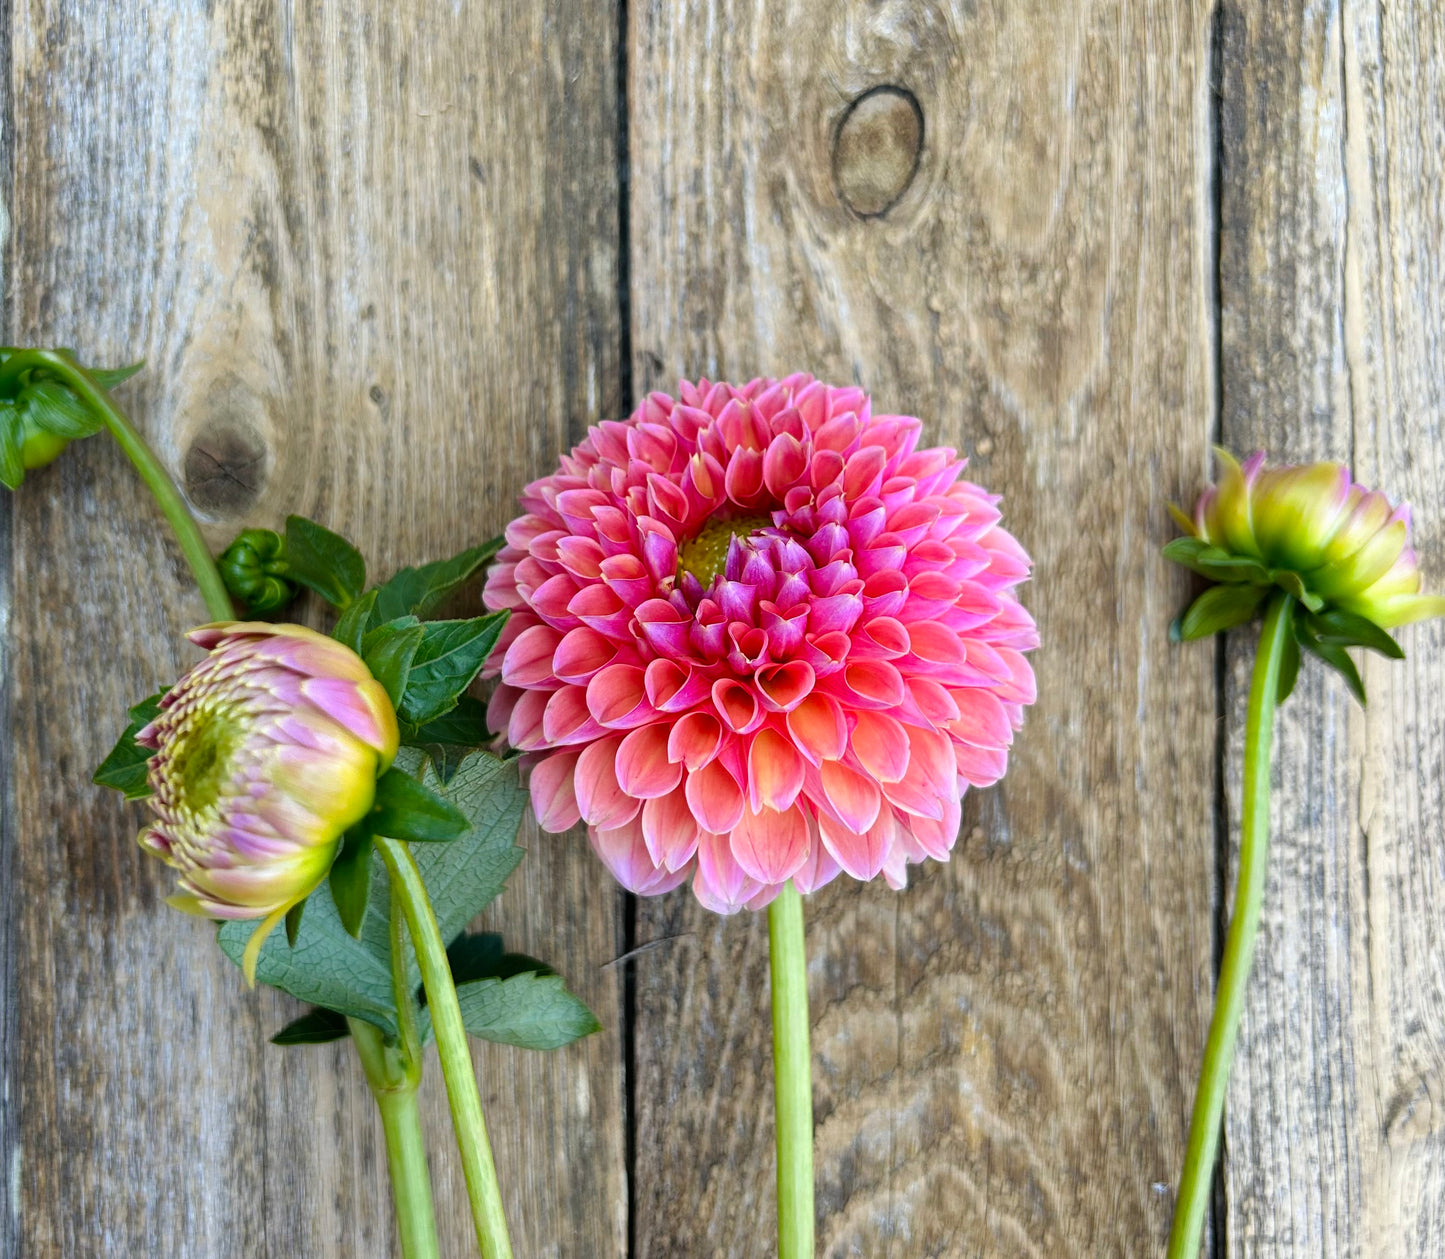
(370, 256)
(1003, 1052)
(1332, 231)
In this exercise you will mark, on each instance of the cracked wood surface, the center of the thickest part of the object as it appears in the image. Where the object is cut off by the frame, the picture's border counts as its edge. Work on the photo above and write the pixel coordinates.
(375, 262)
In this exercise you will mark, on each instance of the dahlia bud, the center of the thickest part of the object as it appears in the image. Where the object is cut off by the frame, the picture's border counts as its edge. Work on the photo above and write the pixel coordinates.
(1307, 528)
(254, 568)
(265, 753)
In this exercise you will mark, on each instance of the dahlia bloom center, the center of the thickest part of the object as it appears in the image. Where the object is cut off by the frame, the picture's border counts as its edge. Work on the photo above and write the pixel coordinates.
(758, 635)
(204, 744)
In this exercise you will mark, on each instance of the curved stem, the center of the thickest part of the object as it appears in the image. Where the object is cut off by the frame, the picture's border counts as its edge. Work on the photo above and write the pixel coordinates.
(395, 1091)
(483, 1192)
(792, 1074)
(1196, 1180)
(163, 489)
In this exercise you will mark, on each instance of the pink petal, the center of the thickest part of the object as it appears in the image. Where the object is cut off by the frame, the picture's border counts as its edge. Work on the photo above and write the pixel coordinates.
(600, 798)
(554, 799)
(880, 745)
(670, 830)
(528, 661)
(818, 728)
(617, 697)
(694, 740)
(715, 797)
(738, 705)
(854, 798)
(861, 853)
(643, 768)
(721, 884)
(770, 845)
(582, 653)
(775, 771)
(785, 686)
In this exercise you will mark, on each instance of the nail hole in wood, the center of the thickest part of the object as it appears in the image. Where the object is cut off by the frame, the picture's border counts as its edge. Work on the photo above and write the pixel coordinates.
(877, 149)
(225, 469)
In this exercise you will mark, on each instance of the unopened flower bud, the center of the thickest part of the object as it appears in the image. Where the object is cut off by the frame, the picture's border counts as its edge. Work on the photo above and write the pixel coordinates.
(265, 753)
(1312, 531)
(254, 568)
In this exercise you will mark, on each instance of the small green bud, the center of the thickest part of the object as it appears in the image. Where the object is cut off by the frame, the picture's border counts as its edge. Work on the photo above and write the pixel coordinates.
(254, 568)
(38, 446)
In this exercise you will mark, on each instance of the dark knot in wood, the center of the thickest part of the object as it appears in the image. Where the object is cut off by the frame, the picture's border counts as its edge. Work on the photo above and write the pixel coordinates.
(225, 468)
(877, 149)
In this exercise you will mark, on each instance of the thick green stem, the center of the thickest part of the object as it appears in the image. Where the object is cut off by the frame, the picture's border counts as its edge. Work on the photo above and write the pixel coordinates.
(483, 1191)
(1196, 1180)
(792, 1074)
(393, 1080)
(163, 489)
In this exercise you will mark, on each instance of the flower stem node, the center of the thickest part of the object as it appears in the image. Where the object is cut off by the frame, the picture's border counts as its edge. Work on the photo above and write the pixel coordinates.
(1337, 548)
(255, 569)
(264, 754)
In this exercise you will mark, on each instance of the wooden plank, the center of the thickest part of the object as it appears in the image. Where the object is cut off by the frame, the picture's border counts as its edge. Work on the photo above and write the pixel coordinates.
(370, 255)
(1004, 1053)
(1332, 225)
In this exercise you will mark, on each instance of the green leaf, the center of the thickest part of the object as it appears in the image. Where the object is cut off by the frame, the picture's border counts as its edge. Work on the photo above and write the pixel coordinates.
(350, 878)
(109, 377)
(481, 955)
(419, 590)
(329, 968)
(465, 726)
(317, 1027)
(407, 809)
(450, 656)
(1288, 669)
(1219, 608)
(324, 561)
(1347, 629)
(293, 922)
(451, 738)
(351, 628)
(326, 967)
(1339, 660)
(51, 406)
(125, 766)
(527, 1010)
(388, 651)
(1214, 563)
(12, 464)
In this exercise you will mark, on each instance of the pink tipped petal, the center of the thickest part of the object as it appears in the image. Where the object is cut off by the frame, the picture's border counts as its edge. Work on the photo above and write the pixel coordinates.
(554, 798)
(818, 728)
(770, 845)
(775, 771)
(694, 740)
(880, 746)
(601, 801)
(854, 798)
(670, 830)
(643, 767)
(861, 854)
(715, 797)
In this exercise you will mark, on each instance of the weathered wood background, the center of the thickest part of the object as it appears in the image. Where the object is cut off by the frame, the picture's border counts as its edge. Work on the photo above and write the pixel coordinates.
(387, 261)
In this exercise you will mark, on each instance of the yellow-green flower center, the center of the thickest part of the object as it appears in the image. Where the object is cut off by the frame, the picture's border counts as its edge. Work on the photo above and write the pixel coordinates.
(705, 555)
(201, 757)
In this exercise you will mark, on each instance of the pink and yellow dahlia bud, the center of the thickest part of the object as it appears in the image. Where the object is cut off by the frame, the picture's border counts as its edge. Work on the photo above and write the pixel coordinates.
(1310, 530)
(265, 753)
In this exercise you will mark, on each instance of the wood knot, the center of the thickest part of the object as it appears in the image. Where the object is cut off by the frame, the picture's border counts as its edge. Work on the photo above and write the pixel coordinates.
(877, 149)
(225, 468)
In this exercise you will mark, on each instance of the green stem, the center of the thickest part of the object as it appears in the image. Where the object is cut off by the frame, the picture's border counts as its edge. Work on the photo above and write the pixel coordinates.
(483, 1192)
(393, 1082)
(792, 1074)
(1196, 1180)
(157, 480)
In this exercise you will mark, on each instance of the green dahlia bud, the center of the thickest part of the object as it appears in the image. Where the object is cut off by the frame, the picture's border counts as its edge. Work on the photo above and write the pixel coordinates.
(38, 446)
(254, 568)
(265, 753)
(1308, 529)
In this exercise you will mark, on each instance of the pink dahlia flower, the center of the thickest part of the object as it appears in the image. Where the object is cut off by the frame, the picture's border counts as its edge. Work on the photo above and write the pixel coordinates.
(757, 635)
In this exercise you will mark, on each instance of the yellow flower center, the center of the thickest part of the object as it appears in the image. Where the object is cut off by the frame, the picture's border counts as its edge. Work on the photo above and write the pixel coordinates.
(201, 757)
(705, 555)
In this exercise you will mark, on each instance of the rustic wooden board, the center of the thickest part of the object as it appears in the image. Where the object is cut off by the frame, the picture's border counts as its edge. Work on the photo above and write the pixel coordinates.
(1004, 1053)
(1332, 231)
(370, 254)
